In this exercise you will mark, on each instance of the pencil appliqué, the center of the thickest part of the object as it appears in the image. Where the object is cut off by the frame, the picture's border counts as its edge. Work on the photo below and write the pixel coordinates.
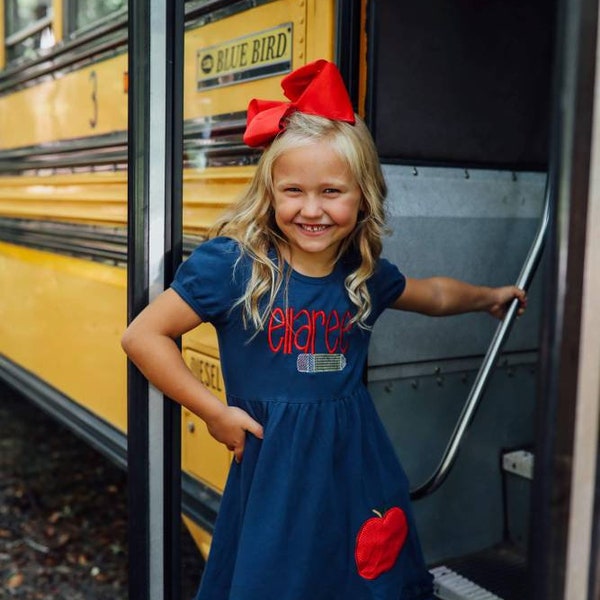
(320, 363)
(379, 542)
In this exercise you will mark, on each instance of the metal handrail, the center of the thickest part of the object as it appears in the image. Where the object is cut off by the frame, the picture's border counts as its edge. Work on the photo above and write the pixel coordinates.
(485, 371)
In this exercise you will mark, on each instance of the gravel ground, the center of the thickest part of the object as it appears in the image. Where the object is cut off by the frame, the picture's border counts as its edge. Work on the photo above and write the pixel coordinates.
(63, 514)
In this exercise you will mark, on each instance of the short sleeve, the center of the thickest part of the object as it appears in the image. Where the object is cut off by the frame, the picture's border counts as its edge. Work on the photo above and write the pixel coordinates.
(385, 286)
(209, 280)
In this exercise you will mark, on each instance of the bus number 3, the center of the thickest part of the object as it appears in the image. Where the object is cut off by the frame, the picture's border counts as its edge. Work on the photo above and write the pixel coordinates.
(94, 80)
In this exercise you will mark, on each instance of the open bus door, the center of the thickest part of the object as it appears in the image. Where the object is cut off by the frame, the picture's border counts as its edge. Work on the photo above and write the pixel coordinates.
(475, 108)
(459, 101)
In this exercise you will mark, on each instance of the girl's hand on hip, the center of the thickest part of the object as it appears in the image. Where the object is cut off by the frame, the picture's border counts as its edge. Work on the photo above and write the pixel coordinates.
(229, 427)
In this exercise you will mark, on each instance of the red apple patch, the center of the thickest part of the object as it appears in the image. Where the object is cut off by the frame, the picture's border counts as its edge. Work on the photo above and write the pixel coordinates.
(379, 542)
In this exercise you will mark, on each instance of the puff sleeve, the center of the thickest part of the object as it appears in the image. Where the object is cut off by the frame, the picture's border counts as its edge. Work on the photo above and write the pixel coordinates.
(385, 286)
(209, 280)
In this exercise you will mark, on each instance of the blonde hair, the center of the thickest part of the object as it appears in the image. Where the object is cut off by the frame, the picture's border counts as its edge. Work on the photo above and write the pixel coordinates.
(251, 220)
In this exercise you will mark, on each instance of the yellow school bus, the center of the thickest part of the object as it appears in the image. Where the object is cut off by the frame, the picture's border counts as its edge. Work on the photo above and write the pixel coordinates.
(462, 102)
(63, 193)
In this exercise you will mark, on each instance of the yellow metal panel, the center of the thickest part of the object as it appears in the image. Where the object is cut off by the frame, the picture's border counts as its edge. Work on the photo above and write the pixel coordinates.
(57, 20)
(62, 319)
(208, 192)
(90, 101)
(202, 455)
(201, 537)
(94, 197)
(231, 99)
(320, 30)
(101, 198)
(93, 99)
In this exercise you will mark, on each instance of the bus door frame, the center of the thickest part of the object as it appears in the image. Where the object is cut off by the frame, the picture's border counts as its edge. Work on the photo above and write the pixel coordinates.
(565, 507)
(155, 155)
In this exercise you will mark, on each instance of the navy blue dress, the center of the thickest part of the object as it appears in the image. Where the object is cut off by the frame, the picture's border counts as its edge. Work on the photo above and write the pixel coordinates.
(319, 509)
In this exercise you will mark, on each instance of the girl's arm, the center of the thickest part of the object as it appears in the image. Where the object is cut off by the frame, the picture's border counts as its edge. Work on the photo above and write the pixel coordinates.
(438, 296)
(149, 341)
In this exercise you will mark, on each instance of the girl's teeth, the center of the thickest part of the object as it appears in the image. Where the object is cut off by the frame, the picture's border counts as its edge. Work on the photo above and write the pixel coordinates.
(314, 227)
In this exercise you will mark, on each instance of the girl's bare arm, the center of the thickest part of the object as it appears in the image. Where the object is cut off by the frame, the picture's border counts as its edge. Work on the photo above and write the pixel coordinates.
(439, 296)
(149, 341)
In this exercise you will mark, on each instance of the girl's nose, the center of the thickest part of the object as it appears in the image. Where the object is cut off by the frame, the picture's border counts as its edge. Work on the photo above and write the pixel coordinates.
(312, 206)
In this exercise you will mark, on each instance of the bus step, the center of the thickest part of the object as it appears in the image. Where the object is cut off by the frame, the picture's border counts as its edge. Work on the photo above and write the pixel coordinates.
(501, 570)
(449, 585)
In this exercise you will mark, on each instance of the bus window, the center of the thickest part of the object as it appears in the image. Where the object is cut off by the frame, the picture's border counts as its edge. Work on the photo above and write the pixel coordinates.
(84, 13)
(28, 28)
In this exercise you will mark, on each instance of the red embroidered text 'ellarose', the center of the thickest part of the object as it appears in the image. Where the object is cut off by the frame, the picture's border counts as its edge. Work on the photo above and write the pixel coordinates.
(291, 330)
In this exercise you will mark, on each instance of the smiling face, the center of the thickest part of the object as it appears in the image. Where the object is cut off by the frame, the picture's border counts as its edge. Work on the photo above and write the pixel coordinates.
(316, 202)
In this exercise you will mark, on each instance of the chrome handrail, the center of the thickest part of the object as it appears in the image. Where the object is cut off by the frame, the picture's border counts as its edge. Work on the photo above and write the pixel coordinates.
(485, 371)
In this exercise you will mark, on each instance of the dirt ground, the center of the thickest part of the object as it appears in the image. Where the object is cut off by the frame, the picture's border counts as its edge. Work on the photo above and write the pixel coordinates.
(63, 514)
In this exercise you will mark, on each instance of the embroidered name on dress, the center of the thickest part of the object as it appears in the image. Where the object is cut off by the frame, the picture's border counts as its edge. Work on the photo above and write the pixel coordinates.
(320, 363)
(292, 330)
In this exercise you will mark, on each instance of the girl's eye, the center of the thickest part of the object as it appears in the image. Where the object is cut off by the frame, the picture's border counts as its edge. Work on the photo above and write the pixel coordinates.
(330, 191)
(292, 190)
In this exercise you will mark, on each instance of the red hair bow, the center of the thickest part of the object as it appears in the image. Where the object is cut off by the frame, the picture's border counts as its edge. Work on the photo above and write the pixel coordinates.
(316, 89)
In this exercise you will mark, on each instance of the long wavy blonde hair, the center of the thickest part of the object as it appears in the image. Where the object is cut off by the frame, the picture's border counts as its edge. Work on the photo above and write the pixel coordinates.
(251, 220)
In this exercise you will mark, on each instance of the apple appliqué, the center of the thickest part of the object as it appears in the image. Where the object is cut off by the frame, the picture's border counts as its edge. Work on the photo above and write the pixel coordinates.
(379, 542)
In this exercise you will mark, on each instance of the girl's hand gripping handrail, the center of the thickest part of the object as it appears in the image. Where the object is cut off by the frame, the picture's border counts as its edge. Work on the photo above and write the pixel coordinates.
(502, 331)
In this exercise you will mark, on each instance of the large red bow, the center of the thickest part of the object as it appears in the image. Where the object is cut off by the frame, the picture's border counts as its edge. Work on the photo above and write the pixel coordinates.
(316, 89)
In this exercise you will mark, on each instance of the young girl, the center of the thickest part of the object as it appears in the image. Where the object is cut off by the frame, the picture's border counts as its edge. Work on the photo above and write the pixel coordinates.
(316, 506)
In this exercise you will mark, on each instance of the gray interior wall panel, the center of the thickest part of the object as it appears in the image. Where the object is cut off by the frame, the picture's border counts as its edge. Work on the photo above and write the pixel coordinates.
(466, 513)
(476, 226)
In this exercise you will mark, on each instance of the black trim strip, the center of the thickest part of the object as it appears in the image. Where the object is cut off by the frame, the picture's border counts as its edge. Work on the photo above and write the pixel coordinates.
(137, 298)
(202, 12)
(249, 75)
(371, 50)
(71, 239)
(156, 34)
(199, 502)
(214, 142)
(96, 432)
(89, 153)
(173, 248)
(26, 32)
(348, 45)
(91, 242)
(572, 116)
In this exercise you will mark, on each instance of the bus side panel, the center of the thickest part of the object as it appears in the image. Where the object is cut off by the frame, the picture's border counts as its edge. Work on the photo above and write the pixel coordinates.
(62, 319)
(89, 101)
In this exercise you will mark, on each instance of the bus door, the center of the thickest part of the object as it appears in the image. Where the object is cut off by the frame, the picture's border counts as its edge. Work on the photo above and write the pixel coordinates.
(458, 97)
